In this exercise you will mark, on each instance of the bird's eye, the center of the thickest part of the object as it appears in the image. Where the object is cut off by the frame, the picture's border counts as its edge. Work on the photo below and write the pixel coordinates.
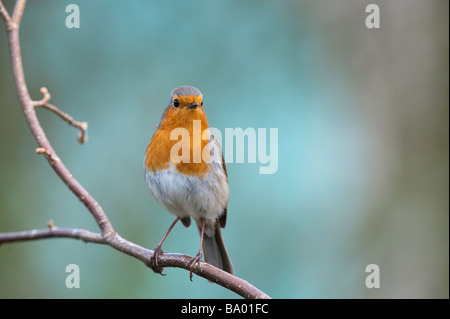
(176, 103)
(202, 103)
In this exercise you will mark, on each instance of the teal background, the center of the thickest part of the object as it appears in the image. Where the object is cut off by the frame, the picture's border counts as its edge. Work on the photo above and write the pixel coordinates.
(363, 161)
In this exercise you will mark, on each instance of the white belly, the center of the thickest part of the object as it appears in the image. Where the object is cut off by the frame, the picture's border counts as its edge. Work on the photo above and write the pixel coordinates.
(190, 196)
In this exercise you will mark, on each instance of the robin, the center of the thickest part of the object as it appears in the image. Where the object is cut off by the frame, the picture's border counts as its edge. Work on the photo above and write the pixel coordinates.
(188, 176)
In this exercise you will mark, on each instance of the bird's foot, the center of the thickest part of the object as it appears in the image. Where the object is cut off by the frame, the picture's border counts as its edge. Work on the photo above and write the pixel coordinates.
(154, 261)
(192, 263)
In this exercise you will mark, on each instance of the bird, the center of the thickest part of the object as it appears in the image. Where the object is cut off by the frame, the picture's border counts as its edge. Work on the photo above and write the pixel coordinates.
(187, 176)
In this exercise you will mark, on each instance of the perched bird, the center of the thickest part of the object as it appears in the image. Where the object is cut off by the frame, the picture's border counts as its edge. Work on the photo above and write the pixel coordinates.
(187, 175)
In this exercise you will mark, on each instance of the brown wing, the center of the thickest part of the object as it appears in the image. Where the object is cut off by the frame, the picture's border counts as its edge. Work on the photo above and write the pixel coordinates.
(223, 217)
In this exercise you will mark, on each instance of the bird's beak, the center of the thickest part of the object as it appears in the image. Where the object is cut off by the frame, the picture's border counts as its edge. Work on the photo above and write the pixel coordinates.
(193, 105)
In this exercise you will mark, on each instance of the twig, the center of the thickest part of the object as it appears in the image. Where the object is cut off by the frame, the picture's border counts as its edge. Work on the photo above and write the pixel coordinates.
(82, 126)
(108, 236)
(5, 15)
(18, 11)
(82, 234)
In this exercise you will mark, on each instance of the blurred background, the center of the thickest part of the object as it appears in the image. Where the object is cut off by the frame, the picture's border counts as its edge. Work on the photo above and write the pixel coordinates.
(363, 144)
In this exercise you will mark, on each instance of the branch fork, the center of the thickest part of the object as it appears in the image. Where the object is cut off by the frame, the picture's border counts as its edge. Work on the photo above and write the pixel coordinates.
(82, 126)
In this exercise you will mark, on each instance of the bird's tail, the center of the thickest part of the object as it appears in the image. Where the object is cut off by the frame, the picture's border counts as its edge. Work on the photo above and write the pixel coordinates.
(215, 252)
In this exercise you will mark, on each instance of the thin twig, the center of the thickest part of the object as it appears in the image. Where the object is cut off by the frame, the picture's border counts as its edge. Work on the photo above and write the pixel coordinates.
(18, 11)
(82, 234)
(46, 97)
(4, 13)
(82, 126)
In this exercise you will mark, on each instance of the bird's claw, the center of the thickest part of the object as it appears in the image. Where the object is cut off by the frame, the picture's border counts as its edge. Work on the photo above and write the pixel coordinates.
(154, 261)
(191, 264)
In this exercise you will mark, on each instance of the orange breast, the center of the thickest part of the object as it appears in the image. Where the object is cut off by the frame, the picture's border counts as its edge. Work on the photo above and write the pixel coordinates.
(157, 155)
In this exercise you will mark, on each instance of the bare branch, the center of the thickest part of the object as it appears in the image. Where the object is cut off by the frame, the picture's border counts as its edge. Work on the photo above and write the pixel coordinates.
(108, 236)
(18, 11)
(203, 269)
(28, 106)
(82, 234)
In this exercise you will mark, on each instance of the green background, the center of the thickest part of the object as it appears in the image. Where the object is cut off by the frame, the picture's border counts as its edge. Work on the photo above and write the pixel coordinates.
(363, 161)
